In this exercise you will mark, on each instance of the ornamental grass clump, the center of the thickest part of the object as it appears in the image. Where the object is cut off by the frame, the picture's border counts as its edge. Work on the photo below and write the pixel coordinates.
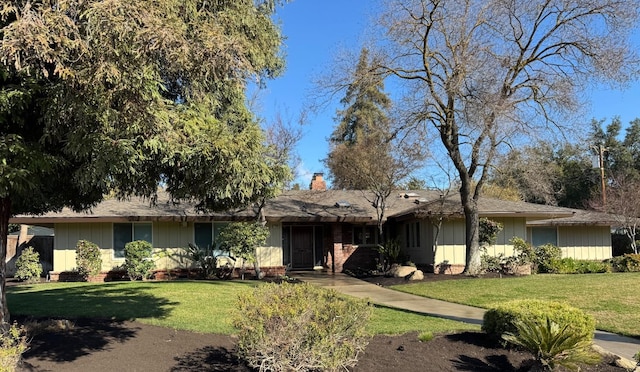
(299, 327)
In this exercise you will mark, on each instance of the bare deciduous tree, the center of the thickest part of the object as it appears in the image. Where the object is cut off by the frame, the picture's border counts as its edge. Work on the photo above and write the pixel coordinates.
(377, 166)
(623, 203)
(487, 72)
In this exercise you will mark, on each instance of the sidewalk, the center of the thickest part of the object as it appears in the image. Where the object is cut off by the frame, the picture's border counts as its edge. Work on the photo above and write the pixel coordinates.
(622, 346)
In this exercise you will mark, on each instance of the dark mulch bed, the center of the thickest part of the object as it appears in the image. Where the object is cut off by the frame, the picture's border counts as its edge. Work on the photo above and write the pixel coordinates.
(386, 281)
(105, 345)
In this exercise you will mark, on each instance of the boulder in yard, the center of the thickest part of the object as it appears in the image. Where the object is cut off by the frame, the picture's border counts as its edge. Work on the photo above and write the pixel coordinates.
(417, 275)
(402, 271)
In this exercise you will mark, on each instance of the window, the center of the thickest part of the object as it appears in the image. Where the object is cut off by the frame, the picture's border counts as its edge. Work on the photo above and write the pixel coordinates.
(203, 234)
(124, 233)
(412, 234)
(365, 234)
(544, 235)
(206, 233)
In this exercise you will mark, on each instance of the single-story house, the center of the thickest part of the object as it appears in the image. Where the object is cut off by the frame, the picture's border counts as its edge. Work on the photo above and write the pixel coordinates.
(320, 228)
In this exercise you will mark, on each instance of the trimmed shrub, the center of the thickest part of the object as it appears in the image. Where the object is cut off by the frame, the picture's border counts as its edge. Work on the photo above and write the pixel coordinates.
(553, 345)
(138, 259)
(88, 258)
(626, 263)
(13, 342)
(490, 263)
(503, 318)
(545, 256)
(28, 267)
(524, 252)
(299, 327)
(489, 231)
(572, 266)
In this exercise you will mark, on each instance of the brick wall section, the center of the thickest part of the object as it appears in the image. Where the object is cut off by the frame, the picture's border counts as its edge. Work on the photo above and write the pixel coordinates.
(337, 259)
(269, 272)
(448, 269)
(364, 257)
(116, 275)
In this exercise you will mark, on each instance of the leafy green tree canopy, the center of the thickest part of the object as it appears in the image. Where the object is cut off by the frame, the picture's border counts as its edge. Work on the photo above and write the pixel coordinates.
(124, 96)
(138, 93)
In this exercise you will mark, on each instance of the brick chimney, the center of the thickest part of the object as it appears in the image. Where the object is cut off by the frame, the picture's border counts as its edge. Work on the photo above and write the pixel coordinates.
(317, 183)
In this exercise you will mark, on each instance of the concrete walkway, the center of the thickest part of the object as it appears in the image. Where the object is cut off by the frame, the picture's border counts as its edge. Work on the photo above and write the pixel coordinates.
(622, 346)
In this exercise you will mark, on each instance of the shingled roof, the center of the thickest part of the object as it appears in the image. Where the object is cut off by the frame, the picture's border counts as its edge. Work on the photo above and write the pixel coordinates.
(353, 206)
(581, 218)
(451, 205)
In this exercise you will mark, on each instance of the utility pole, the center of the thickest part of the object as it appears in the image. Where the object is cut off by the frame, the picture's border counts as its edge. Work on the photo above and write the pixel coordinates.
(601, 149)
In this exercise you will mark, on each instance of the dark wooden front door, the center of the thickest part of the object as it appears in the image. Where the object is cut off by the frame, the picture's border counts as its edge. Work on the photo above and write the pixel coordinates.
(302, 247)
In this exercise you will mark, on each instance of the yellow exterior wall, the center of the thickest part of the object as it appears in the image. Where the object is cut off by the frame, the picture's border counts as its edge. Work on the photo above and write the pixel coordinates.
(420, 254)
(271, 254)
(452, 246)
(585, 242)
(169, 241)
(67, 236)
(451, 243)
(512, 227)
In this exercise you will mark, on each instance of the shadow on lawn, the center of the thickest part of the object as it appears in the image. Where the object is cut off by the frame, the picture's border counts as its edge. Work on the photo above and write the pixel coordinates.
(112, 301)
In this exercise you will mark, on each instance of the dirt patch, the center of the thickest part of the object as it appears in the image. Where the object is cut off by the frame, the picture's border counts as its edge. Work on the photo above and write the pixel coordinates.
(106, 345)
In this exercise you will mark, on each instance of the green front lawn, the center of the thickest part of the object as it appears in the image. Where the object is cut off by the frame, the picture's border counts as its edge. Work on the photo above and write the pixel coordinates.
(613, 299)
(202, 306)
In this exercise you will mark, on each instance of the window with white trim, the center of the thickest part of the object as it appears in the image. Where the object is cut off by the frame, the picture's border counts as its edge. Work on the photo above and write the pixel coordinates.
(124, 233)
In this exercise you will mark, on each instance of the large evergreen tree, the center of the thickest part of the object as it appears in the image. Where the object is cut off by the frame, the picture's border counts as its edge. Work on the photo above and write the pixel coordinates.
(102, 96)
(364, 151)
(366, 106)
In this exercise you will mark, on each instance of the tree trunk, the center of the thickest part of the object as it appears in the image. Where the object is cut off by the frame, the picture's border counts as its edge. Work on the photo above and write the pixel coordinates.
(471, 219)
(5, 213)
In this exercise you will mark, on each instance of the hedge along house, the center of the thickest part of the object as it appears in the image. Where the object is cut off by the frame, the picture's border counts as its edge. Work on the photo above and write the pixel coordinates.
(319, 228)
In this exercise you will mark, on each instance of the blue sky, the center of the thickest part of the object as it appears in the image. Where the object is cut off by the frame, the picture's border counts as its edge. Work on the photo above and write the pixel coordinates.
(316, 31)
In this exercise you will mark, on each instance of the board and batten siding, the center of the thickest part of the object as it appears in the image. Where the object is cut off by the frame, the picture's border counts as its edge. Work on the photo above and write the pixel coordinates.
(170, 237)
(511, 227)
(452, 245)
(67, 236)
(585, 242)
(422, 254)
(271, 254)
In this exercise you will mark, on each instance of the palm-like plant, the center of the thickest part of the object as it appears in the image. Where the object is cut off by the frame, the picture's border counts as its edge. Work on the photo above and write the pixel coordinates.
(552, 345)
